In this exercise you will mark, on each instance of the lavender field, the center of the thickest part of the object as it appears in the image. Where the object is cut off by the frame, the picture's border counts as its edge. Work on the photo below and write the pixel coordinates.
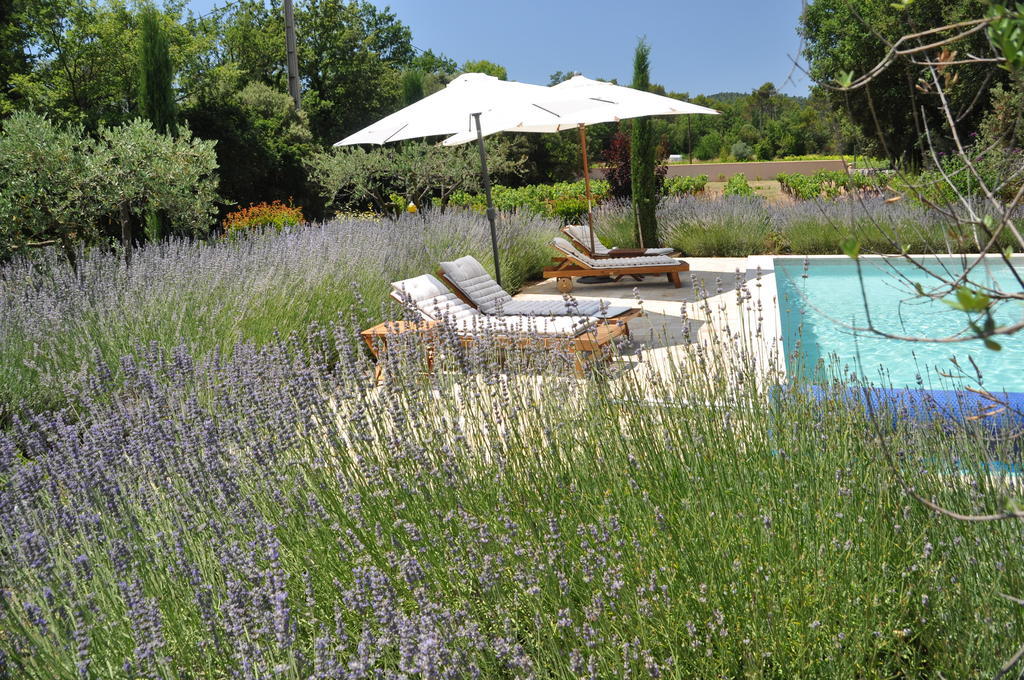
(737, 226)
(58, 323)
(224, 493)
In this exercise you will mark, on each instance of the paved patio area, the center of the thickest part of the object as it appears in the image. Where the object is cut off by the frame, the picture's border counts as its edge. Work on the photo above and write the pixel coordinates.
(713, 309)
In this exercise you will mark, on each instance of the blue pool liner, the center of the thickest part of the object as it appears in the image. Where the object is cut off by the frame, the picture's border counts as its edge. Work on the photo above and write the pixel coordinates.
(948, 406)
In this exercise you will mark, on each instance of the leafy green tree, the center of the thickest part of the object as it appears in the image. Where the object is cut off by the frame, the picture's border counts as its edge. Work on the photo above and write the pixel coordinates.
(253, 41)
(763, 105)
(560, 77)
(84, 64)
(144, 171)
(84, 58)
(893, 110)
(58, 185)
(350, 56)
(643, 149)
(48, 185)
(484, 66)
(13, 57)
(261, 141)
(436, 64)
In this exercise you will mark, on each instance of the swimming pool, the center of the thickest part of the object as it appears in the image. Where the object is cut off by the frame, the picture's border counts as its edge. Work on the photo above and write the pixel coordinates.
(818, 306)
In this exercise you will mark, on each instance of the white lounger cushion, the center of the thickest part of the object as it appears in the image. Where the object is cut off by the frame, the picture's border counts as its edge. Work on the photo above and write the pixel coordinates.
(581, 234)
(432, 299)
(469, 276)
(612, 262)
(472, 279)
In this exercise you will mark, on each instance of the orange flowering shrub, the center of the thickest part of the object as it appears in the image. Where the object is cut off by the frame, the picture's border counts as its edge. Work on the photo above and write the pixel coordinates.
(258, 215)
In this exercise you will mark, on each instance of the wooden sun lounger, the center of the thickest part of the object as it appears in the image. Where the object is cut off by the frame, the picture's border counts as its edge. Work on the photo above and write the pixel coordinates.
(614, 252)
(593, 345)
(568, 267)
(620, 320)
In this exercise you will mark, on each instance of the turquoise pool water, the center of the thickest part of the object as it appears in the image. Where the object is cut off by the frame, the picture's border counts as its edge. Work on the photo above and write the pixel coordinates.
(817, 310)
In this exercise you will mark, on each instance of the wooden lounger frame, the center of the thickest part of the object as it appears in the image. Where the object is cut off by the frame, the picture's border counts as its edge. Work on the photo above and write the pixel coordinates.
(567, 267)
(613, 252)
(590, 346)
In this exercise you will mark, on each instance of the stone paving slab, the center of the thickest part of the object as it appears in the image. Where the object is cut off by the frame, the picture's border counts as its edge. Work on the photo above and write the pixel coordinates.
(709, 295)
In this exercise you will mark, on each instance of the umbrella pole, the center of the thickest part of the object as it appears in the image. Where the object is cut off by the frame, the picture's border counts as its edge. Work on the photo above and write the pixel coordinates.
(486, 179)
(586, 183)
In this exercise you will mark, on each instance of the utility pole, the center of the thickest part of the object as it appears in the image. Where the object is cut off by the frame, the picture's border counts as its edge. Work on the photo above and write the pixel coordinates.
(293, 56)
(689, 141)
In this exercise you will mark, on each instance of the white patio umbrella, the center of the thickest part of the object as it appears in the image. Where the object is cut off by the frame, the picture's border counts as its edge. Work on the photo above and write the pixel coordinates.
(607, 103)
(470, 103)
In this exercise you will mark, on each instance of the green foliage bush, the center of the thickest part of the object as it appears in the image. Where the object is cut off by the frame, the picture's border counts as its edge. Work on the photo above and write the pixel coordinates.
(825, 184)
(738, 186)
(681, 186)
(261, 140)
(998, 166)
(58, 184)
(709, 147)
(564, 200)
(741, 151)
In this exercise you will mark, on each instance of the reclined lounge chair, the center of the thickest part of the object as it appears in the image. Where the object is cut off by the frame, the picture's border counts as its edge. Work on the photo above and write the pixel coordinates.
(574, 264)
(470, 282)
(580, 237)
(582, 336)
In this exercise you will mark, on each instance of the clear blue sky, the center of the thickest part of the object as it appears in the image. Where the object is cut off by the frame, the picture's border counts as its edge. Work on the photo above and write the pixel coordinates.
(697, 46)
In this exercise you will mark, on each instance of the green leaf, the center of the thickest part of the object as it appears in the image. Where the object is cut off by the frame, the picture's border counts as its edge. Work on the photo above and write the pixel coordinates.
(992, 345)
(988, 222)
(851, 248)
(845, 78)
(1008, 252)
(969, 301)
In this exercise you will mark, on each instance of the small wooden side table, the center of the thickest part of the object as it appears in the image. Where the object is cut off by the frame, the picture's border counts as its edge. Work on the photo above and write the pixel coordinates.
(376, 338)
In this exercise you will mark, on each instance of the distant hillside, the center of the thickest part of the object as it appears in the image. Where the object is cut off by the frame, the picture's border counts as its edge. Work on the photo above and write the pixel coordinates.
(731, 97)
(728, 97)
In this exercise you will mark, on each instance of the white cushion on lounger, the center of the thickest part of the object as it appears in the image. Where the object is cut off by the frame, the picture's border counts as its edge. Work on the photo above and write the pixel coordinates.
(470, 277)
(581, 235)
(562, 308)
(431, 298)
(612, 262)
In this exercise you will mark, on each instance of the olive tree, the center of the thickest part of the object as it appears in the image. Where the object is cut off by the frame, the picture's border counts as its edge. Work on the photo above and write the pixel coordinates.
(141, 170)
(414, 172)
(47, 186)
(58, 186)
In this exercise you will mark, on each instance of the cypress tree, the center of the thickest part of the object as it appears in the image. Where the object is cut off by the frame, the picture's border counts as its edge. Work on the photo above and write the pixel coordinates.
(156, 76)
(156, 102)
(645, 198)
(412, 86)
